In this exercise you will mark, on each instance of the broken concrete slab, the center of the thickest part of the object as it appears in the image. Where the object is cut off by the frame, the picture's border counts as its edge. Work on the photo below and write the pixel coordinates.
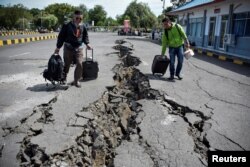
(167, 136)
(193, 118)
(131, 154)
(86, 115)
(10, 150)
(51, 143)
(63, 111)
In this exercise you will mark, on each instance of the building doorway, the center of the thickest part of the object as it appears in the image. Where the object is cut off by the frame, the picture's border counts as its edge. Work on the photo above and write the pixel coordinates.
(223, 30)
(211, 33)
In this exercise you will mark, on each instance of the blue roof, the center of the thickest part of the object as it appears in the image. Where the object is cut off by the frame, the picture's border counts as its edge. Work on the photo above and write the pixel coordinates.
(192, 4)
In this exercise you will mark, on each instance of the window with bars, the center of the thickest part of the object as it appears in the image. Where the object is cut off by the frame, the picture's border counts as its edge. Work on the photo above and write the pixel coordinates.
(241, 26)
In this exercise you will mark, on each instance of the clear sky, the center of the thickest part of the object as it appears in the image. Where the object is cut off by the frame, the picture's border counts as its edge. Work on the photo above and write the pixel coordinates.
(112, 7)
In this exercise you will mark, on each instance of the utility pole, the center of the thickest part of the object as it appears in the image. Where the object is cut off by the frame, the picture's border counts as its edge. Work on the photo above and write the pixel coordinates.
(163, 6)
(23, 23)
(41, 18)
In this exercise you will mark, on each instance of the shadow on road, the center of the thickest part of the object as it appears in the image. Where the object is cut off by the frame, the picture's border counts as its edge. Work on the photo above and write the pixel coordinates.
(87, 80)
(155, 77)
(240, 69)
(47, 88)
(158, 77)
(144, 39)
(44, 66)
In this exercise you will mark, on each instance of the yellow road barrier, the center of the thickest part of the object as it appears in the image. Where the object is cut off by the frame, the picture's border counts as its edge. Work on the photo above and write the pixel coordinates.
(25, 40)
(222, 58)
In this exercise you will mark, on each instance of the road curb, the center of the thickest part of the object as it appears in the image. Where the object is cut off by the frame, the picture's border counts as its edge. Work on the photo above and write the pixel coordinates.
(223, 57)
(26, 40)
(17, 33)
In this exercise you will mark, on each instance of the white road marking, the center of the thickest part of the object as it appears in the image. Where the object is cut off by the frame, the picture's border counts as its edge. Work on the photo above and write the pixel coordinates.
(21, 54)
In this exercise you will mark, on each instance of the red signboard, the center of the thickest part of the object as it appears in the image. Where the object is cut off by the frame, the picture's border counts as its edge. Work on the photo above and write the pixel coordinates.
(126, 24)
(217, 10)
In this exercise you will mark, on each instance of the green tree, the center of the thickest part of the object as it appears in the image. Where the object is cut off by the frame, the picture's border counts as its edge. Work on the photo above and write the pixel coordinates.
(25, 21)
(84, 11)
(119, 19)
(140, 15)
(62, 11)
(177, 3)
(35, 11)
(168, 9)
(46, 20)
(110, 22)
(11, 15)
(98, 15)
(22, 23)
(2, 19)
(50, 21)
(37, 20)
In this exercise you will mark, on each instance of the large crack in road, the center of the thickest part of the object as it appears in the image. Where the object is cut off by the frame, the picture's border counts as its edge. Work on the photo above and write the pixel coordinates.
(110, 120)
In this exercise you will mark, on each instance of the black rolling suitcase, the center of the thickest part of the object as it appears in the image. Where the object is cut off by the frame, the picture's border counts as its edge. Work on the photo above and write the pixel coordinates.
(90, 68)
(160, 64)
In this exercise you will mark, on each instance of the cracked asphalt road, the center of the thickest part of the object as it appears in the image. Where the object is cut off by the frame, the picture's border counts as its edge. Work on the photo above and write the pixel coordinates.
(175, 124)
(216, 88)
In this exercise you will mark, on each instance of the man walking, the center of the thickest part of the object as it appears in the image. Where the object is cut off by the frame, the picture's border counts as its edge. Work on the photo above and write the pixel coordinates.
(73, 35)
(174, 37)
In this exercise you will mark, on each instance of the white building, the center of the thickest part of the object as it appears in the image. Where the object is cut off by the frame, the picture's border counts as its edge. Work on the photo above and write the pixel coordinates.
(220, 26)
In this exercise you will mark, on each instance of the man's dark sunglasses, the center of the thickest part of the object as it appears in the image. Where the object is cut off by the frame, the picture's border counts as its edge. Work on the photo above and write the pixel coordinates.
(78, 18)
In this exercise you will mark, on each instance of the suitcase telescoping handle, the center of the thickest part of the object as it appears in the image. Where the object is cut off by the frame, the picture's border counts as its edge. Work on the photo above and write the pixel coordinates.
(91, 53)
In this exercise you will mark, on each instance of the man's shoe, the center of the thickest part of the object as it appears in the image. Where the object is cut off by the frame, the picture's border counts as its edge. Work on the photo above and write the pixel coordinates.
(77, 84)
(171, 78)
(64, 82)
(180, 77)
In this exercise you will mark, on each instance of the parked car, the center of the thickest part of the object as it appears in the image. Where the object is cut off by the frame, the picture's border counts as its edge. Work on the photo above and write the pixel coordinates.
(121, 32)
(43, 30)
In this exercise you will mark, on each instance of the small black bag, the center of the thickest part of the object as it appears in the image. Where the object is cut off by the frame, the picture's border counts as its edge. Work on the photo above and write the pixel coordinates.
(55, 69)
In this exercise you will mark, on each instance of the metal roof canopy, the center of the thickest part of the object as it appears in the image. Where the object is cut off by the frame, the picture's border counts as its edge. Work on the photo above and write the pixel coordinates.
(193, 4)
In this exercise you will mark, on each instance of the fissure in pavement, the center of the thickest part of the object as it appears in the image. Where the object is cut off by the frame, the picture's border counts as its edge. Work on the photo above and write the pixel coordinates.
(110, 120)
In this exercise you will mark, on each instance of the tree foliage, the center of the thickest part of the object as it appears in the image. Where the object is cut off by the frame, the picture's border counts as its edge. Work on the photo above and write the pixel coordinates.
(35, 11)
(54, 15)
(119, 19)
(177, 3)
(10, 15)
(62, 11)
(140, 15)
(98, 15)
(84, 11)
(49, 21)
(168, 9)
(110, 22)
